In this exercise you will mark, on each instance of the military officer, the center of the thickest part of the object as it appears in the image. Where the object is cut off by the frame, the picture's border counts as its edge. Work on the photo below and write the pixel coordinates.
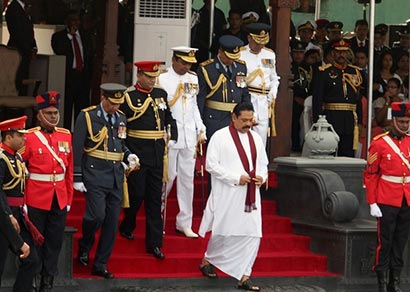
(336, 94)
(12, 176)
(49, 188)
(99, 173)
(182, 88)
(222, 84)
(262, 79)
(387, 180)
(150, 124)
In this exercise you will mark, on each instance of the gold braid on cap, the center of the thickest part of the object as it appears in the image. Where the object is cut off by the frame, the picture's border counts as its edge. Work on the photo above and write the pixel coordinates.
(214, 88)
(262, 38)
(17, 177)
(101, 137)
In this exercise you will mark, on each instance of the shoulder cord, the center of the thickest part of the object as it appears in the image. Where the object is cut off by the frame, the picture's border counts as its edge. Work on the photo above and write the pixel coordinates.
(101, 137)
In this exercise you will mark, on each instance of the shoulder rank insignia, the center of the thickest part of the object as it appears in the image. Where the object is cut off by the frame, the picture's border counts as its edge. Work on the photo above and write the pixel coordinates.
(324, 67)
(243, 48)
(35, 129)
(207, 62)
(162, 71)
(90, 108)
(240, 61)
(380, 135)
(268, 49)
(63, 130)
(192, 72)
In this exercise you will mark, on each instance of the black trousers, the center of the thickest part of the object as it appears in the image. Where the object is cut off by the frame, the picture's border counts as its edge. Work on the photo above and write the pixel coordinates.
(77, 94)
(392, 235)
(297, 111)
(27, 267)
(103, 208)
(51, 224)
(145, 185)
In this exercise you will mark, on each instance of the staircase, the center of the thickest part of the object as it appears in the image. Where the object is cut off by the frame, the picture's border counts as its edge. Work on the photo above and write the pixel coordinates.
(281, 254)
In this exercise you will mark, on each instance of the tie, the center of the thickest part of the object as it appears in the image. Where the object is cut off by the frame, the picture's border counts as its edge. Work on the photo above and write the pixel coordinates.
(77, 54)
(109, 119)
(229, 72)
(361, 44)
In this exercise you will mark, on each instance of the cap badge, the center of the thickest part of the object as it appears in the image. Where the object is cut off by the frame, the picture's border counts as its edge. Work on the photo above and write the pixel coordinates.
(52, 99)
(236, 50)
(155, 67)
(118, 94)
(191, 53)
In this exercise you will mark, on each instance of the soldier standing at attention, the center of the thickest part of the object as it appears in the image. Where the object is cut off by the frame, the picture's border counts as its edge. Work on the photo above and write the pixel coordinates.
(336, 94)
(262, 79)
(387, 180)
(149, 120)
(182, 88)
(222, 84)
(49, 188)
(99, 148)
(12, 177)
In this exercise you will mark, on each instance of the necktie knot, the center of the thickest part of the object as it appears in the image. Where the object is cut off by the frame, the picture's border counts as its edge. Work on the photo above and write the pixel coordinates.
(109, 119)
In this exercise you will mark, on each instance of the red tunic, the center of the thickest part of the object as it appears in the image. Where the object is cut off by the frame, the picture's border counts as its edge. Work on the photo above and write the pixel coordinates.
(383, 160)
(39, 160)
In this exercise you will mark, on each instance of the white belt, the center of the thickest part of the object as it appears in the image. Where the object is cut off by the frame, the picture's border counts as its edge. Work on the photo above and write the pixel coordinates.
(47, 177)
(396, 179)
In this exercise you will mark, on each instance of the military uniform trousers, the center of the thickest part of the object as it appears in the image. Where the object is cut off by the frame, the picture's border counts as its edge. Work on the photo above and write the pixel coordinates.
(261, 106)
(182, 165)
(392, 236)
(103, 207)
(51, 224)
(145, 185)
(343, 124)
(27, 267)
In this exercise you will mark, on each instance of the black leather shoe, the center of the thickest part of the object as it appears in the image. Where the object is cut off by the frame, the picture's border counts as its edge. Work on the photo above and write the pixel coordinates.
(127, 235)
(102, 273)
(82, 258)
(156, 251)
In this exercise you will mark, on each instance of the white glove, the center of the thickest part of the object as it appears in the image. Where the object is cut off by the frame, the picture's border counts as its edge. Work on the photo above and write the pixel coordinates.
(124, 165)
(79, 186)
(68, 208)
(171, 143)
(25, 208)
(375, 210)
(133, 160)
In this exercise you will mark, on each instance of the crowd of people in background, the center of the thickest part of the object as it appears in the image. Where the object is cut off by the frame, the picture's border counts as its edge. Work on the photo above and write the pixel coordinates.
(233, 90)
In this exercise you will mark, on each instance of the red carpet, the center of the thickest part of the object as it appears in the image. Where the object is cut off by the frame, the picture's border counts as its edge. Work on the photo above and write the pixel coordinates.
(281, 253)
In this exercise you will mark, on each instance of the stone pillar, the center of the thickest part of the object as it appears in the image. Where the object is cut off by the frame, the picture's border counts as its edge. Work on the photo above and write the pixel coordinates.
(281, 16)
(111, 65)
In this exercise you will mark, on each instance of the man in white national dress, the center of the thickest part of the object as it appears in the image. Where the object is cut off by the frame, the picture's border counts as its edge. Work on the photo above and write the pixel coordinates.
(237, 161)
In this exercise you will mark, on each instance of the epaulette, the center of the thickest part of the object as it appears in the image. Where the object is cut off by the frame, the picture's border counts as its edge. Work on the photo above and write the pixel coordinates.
(268, 49)
(243, 48)
(240, 61)
(129, 89)
(162, 71)
(35, 129)
(353, 66)
(380, 135)
(207, 62)
(90, 108)
(192, 72)
(62, 130)
(324, 67)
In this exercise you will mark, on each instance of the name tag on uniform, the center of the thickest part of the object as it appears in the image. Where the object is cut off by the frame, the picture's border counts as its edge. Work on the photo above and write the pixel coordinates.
(240, 80)
(191, 88)
(267, 63)
(63, 147)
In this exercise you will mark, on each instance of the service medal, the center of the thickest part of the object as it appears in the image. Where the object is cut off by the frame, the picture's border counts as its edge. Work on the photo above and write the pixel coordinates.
(241, 80)
(122, 131)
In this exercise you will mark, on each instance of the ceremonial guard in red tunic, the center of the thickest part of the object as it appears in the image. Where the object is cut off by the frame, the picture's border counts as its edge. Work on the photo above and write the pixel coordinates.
(12, 177)
(49, 187)
(387, 180)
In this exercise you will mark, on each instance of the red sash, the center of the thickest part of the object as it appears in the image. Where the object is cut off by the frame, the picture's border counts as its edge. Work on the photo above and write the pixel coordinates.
(251, 191)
